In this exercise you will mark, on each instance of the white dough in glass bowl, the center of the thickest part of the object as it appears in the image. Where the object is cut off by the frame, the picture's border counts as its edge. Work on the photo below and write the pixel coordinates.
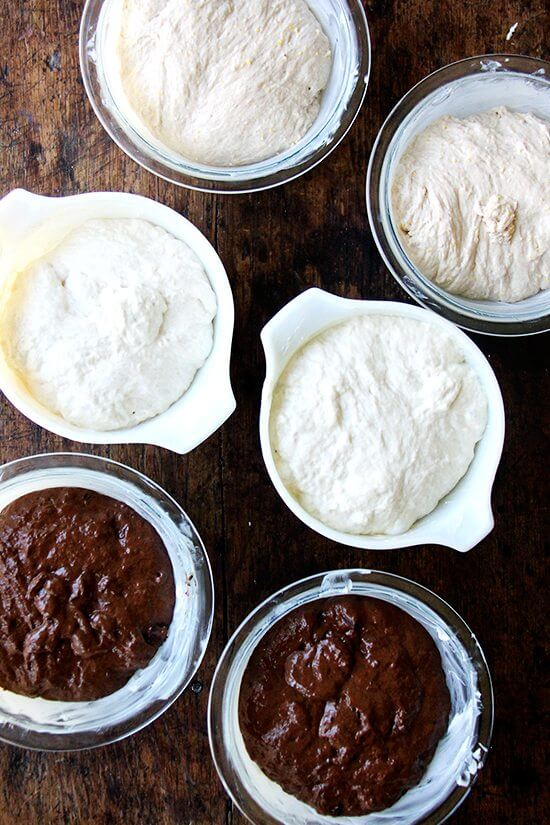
(109, 328)
(470, 201)
(218, 82)
(374, 421)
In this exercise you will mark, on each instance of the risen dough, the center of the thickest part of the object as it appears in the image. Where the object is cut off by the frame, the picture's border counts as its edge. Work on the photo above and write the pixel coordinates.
(222, 82)
(374, 421)
(110, 327)
(470, 198)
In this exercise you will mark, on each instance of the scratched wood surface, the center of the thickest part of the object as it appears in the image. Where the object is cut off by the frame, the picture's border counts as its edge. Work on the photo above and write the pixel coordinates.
(274, 245)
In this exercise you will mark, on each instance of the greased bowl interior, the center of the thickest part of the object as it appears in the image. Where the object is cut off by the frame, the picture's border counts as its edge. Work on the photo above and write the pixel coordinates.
(345, 24)
(50, 725)
(460, 89)
(464, 517)
(32, 225)
(459, 756)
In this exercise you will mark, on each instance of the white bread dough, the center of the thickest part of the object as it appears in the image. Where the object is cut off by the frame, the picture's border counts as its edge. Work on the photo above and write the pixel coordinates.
(222, 82)
(110, 327)
(374, 421)
(470, 200)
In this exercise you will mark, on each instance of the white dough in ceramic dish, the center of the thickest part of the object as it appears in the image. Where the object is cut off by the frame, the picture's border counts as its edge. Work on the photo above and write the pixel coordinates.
(110, 327)
(470, 199)
(374, 421)
(222, 82)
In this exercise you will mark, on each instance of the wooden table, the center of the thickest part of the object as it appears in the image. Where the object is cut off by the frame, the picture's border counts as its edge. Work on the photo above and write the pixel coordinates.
(274, 245)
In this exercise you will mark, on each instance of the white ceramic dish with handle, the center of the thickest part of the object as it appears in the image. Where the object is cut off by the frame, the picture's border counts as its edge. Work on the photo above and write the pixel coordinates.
(31, 225)
(461, 519)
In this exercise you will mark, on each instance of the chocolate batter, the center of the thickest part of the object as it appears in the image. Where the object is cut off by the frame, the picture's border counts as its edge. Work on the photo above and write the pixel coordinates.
(343, 704)
(86, 594)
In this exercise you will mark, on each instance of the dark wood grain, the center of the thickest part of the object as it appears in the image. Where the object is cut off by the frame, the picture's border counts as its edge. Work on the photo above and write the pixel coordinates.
(275, 244)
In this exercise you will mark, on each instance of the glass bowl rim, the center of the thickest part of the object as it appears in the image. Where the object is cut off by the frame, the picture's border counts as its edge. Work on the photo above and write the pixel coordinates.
(420, 288)
(226, 186)
(287, 595)
(69, 742)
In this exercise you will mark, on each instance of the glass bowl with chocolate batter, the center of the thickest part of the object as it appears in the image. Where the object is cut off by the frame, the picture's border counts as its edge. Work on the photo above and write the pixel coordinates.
(353, 696)
(106, 601)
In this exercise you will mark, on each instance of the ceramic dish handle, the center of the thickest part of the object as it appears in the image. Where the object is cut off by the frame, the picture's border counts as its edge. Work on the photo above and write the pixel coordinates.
(473, 524)
(221, 406)
(19, 212)
(298, 321)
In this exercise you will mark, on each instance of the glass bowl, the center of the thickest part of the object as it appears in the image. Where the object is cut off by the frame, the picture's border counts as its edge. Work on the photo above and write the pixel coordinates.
(460, 89)
(459, 756)
(345, 24)
(46, 725)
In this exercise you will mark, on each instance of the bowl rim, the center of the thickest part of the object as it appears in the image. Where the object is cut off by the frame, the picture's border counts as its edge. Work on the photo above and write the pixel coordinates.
(225, 185)
(164, 429)
(285, 596)
(70, 742)
(311, 303)
(420, 288)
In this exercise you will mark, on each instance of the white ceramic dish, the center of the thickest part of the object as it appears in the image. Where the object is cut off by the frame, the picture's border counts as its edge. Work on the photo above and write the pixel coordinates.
(30, 225)
(42, 724)
(460, 754)
(461, 89)
(344, 23)
(464, 517)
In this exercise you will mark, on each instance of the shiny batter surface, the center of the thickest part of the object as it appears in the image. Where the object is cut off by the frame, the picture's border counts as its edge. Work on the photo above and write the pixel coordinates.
(86, 594)
(343, 704)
